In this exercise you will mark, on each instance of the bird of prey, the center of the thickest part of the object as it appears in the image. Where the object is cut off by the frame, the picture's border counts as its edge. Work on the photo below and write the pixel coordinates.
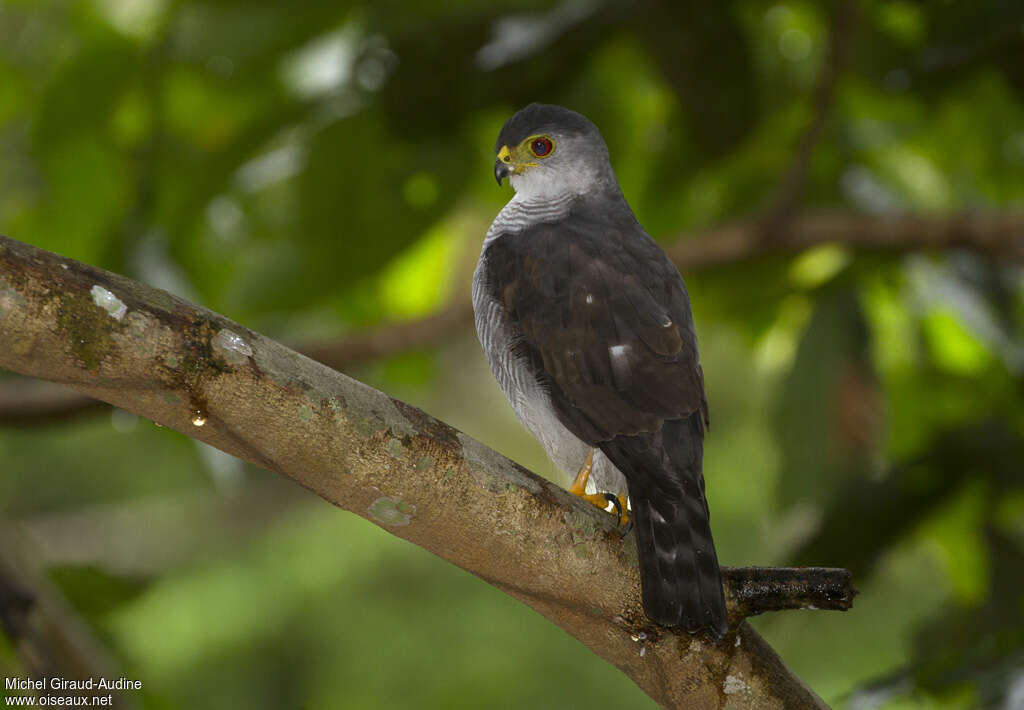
(587, 328)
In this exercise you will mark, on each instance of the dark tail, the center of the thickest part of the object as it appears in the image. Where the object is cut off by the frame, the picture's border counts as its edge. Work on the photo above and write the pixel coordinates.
(682, 585)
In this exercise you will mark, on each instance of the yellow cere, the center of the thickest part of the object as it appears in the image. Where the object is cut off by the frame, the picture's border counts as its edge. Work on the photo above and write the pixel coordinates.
(522, 157)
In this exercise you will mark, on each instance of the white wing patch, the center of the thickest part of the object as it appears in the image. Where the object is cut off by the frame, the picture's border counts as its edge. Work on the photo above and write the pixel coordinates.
(620, 365)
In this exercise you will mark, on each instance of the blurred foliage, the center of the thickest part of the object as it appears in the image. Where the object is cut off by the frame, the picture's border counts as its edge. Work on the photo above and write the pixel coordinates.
(315, 168)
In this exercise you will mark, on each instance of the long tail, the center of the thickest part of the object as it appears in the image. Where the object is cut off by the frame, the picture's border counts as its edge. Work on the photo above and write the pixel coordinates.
(682, 584)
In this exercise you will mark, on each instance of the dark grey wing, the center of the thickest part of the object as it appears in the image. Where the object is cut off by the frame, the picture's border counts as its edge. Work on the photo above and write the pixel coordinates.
(603, 318)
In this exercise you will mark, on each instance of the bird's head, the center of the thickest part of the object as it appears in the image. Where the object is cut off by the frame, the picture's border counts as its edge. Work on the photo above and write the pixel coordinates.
(548, 150)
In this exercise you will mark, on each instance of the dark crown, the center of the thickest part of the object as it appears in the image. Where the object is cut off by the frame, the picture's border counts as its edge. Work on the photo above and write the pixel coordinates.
(542, 118)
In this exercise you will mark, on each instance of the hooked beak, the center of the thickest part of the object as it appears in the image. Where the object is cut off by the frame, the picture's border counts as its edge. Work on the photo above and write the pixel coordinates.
(503, 164)
(501, 171)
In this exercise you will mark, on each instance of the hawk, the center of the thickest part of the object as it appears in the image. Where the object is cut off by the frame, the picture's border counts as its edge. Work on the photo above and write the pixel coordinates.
(586, 325)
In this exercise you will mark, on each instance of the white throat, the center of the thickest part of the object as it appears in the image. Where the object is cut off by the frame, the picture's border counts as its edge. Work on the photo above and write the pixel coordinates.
(542, 184)
(545, 193)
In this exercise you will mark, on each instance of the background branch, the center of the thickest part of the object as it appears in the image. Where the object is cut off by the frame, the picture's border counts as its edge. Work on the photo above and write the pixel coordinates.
(793, 184)
(360, 347)
(212, 379)
(31, 403)
(93, 535)
(996, 235)
(51, 640)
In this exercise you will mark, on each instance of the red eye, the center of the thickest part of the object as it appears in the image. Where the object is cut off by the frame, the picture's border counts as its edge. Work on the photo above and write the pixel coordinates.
(541, 147)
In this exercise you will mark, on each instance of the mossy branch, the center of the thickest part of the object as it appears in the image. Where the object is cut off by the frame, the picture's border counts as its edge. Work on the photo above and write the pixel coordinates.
(212, 379)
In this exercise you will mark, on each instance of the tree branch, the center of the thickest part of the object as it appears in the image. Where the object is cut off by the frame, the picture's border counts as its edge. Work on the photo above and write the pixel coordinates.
(31, 403)
(212, 379)
(791, 187)
(361, 347)
(167, 531)
(50, 639)
(760, 589)
(998, 235)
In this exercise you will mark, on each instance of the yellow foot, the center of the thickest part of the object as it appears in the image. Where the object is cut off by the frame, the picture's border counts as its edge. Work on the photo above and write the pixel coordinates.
(601, 500)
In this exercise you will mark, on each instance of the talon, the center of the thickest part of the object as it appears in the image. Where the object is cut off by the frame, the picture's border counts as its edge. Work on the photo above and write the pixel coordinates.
(619, 502)
(624, 517)
(629, 527)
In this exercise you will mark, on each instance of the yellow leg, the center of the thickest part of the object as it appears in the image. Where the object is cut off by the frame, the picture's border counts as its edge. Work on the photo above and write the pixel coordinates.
(579, 484)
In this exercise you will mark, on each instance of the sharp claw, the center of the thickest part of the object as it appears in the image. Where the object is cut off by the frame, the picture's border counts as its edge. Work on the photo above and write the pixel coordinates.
(629, 526)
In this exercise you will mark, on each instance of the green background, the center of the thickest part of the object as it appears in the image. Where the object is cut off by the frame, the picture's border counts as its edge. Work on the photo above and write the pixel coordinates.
(315, 169)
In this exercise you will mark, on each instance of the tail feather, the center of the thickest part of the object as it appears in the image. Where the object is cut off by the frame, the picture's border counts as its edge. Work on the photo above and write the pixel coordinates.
(679, 574)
